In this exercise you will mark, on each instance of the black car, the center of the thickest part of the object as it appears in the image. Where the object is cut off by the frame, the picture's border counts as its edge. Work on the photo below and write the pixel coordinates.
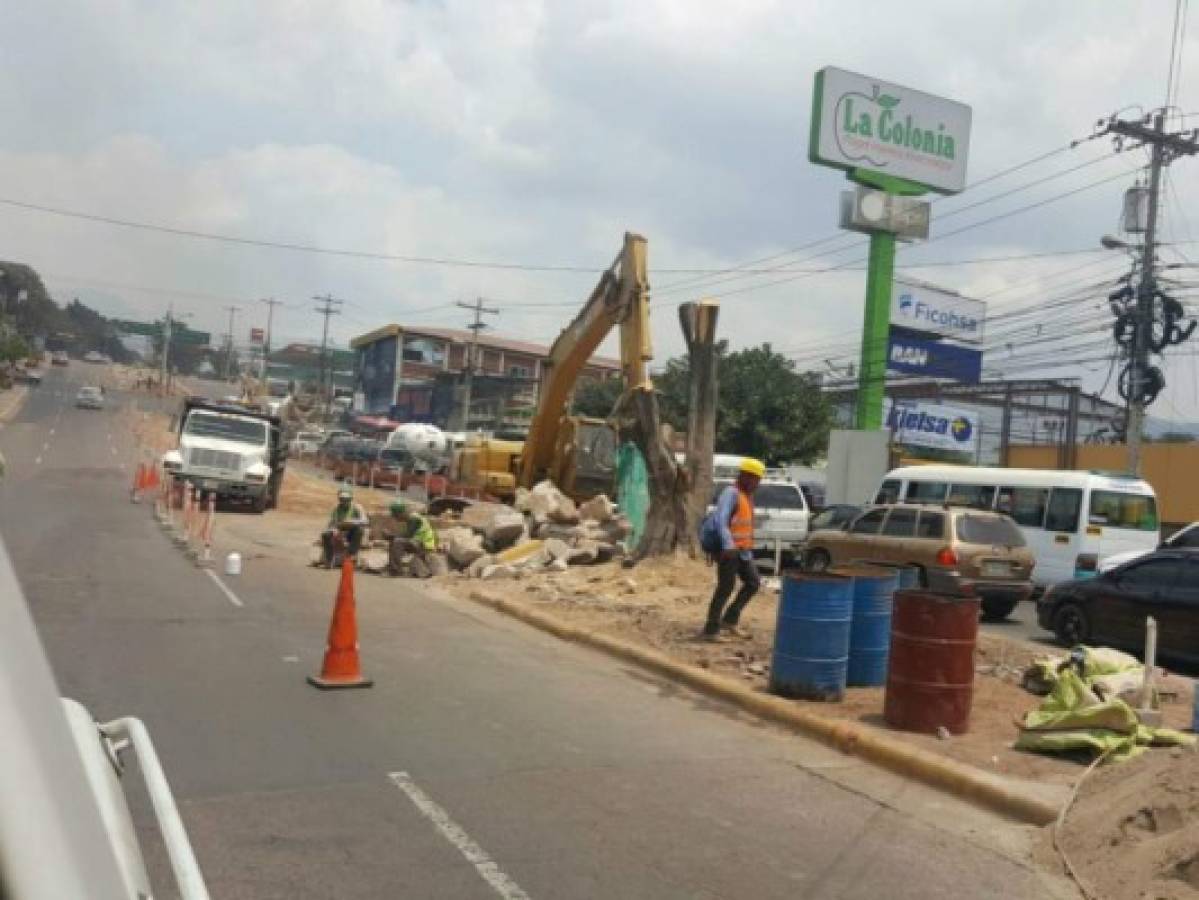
(1111, 608)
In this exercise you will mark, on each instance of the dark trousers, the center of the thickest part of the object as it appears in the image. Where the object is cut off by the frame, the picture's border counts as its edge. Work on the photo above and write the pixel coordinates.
(334, 541)
(727, 573)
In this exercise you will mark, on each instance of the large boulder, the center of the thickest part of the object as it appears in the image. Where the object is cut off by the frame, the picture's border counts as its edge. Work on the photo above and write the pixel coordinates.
(544, 501)
(462, 546)
(556, 549)
(564, 512)
(584, 554)
(475, 569)
(597, 509)
(571, 534)
(500, 525)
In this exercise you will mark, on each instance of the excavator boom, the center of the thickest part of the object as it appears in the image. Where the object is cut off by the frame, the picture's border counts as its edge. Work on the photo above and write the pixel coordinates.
(621, 298)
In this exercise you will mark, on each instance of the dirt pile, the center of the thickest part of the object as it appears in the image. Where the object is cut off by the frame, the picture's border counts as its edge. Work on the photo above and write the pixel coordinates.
(1133, 832)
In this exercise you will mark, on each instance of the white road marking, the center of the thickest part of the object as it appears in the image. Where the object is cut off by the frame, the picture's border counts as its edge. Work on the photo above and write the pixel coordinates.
(38, 461)
(233, 598)
(51, 432)
(45, 446)
(487, 868)
(292, 659)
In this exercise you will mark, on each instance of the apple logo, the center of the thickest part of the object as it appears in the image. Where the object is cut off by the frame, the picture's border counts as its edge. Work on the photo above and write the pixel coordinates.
(853, 115)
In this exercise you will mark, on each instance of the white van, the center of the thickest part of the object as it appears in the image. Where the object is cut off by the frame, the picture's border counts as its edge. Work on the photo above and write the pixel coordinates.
(1070, 519)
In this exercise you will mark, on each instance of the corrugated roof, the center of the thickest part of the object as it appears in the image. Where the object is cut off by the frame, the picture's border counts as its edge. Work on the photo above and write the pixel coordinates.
(462, 336)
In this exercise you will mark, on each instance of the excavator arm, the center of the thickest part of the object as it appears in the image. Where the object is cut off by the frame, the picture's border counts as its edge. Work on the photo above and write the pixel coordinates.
(620, 299)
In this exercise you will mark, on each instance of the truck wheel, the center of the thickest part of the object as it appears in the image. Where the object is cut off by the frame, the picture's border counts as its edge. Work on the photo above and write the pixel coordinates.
(996, 609)
(260, 502)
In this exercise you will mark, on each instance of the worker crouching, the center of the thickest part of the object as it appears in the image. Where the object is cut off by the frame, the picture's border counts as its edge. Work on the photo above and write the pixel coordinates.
(344, 533)
(414, 547)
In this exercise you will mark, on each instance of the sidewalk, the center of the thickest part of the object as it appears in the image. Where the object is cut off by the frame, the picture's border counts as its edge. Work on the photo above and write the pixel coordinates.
(11, 402)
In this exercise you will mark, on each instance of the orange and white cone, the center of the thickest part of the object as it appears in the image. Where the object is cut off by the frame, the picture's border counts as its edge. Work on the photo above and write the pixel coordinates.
(342, 668)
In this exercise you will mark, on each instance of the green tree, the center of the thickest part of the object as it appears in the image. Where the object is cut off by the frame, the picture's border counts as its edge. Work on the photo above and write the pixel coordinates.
(597, 397)
(12, 348)
(765, 408)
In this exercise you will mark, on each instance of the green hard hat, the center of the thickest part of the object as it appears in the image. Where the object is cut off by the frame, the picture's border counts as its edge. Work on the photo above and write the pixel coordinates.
(398, 506)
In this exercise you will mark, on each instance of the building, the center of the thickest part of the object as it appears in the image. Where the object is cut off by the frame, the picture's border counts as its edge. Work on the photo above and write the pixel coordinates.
(415, 374)
(301, 363)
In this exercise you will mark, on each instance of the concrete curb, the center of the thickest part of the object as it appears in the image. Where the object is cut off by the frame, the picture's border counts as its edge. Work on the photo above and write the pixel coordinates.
(963, 781)
(19, 394)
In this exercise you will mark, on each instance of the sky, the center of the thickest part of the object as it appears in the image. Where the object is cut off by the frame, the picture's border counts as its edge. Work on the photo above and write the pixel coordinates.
(529, 136)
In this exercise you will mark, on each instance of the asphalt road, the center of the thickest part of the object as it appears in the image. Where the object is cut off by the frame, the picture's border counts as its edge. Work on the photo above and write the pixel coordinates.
(488, 760)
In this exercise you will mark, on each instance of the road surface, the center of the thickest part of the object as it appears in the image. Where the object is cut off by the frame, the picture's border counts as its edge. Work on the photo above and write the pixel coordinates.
(488, 760)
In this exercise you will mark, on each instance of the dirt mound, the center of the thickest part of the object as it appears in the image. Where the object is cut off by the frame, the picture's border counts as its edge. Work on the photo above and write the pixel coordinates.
(1133, 832)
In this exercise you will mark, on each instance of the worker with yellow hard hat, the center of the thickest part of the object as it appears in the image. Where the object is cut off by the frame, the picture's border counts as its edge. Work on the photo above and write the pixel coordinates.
(733, 521)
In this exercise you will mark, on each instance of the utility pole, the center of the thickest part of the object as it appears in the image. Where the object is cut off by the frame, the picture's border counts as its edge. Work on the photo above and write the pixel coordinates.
(166, 350)
(232, 310)
(271, 303)
(328, 307)
(472, 353)
(1164, 148)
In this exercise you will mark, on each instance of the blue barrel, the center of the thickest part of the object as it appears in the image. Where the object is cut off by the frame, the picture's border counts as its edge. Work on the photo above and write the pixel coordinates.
(811, 637)
(870, 633)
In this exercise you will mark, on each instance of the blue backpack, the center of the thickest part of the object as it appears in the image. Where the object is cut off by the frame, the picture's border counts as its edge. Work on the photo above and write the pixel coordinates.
(709, 534)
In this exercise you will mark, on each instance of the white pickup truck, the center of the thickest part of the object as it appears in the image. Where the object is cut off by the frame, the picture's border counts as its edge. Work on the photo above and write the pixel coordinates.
(232, 450)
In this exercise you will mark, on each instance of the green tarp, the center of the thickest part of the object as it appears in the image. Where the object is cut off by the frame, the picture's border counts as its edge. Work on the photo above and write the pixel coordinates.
(632, 490)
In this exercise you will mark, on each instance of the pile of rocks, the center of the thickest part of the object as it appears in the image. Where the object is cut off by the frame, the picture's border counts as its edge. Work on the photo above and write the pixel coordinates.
(544, 529)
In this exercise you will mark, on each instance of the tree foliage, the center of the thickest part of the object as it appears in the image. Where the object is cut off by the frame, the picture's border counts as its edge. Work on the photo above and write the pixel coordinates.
(597, 397)
(766, 408)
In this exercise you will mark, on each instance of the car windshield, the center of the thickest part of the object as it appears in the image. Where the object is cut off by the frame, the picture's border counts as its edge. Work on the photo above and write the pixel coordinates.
(229, 428)
(89, 392)
(989, 530)
(1118, 509)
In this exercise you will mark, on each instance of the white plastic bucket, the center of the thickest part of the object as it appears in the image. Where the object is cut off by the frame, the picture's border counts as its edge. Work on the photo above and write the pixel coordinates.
(233, 563)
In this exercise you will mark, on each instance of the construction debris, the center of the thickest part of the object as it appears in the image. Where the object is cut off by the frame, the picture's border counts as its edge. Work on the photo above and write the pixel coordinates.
(544, 530)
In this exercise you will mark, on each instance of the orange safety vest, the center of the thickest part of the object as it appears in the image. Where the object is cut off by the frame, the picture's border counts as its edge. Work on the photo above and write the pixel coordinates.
(741, 525)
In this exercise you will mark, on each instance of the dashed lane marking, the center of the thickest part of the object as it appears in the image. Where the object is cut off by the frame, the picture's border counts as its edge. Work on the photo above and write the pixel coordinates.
(487, 868)
(233, 598)
(38, 461)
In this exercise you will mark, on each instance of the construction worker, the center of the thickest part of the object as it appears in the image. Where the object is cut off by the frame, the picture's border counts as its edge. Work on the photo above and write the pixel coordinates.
(347, 526)
(413, 543)
(734, 523)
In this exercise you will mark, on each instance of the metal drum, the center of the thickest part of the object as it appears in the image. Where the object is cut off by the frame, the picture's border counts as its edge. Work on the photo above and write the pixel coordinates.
(811, 637)
(930, 680)
(870, 631)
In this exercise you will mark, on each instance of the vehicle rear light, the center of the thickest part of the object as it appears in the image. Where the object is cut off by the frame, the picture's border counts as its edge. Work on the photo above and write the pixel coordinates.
(1086, 562)
(946, 557)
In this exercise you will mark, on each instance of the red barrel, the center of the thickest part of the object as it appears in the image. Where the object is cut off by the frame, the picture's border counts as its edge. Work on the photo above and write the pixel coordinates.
(930, 681)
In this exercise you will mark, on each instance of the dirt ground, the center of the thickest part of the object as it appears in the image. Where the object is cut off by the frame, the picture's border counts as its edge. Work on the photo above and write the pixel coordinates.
(661, 603)
(1133, 832)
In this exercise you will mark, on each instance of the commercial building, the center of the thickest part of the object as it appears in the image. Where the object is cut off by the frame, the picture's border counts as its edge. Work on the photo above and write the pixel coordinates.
(416, 374)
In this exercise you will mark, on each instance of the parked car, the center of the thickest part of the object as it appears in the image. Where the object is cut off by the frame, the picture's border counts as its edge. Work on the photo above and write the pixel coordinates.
(332, 448)
(836, 516)
(1185, 538)
(32, 376)
(960, 552)
(306, 443)
(89, 397)
(388, 467)
(1111, 608)
(93, 357)
(355, 459)
(59, 358)
(780, 515)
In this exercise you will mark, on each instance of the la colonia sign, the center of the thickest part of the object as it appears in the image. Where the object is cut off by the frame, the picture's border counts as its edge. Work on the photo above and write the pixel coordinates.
(863, 123)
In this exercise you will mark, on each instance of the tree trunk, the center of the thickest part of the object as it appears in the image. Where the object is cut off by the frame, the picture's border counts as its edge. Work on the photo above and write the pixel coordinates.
(666, 521)
(698, 321)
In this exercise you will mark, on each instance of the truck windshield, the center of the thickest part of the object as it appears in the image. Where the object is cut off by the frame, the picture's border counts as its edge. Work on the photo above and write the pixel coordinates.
(229, 428)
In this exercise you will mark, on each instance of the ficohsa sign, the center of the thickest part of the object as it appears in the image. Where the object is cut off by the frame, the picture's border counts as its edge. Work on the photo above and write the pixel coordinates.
(932, 425)
(860, 122)
(926, 309)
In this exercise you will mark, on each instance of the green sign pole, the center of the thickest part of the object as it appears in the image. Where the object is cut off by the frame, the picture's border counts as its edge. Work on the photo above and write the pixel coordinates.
(876, 324)
(876, 328)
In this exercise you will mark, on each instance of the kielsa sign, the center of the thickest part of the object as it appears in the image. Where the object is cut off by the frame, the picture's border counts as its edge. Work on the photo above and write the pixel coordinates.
(931, 425)
(918, 307)
(863, 123)
(915, 355)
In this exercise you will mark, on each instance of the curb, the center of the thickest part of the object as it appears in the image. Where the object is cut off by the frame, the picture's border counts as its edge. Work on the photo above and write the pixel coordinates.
(963, 781)
(20, 393)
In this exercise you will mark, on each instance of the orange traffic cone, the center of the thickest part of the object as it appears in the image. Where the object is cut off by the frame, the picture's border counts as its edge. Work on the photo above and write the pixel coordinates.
(152, 483)
(341, 668)
(139, 482)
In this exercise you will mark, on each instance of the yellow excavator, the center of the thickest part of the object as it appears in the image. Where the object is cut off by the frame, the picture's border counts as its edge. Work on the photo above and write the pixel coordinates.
(576, 453)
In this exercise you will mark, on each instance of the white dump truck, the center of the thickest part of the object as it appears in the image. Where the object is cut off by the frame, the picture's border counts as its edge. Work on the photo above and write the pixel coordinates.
(234, 450)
